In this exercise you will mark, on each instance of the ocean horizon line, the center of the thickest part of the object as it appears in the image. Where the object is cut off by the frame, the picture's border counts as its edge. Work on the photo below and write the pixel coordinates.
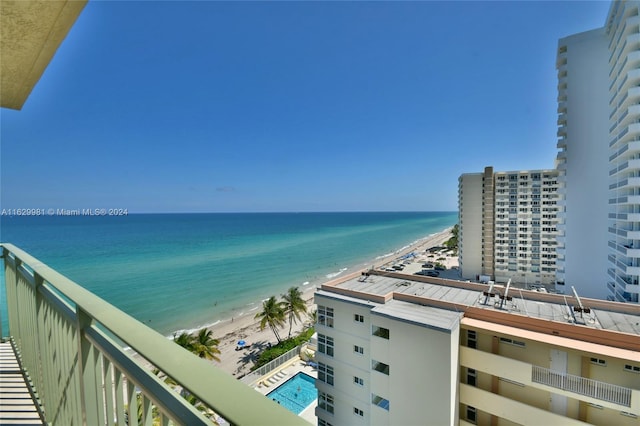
(28, 210)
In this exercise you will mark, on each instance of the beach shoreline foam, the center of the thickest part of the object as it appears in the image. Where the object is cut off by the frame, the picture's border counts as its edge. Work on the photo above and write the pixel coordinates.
(246, 327)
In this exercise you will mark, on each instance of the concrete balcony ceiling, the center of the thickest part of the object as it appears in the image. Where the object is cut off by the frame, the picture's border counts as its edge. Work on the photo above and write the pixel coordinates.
(30, 34)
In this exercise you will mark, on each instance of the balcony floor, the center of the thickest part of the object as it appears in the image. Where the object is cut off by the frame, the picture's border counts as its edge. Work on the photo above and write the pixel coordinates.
(16, 404)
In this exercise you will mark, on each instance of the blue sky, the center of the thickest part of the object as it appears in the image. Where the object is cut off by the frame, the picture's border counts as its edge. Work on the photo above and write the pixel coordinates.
(287, 106)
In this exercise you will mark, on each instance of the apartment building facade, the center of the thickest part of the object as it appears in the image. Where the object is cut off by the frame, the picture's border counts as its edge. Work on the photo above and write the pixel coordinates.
(599, 156)
(401, 349)
(509, 226)
(623, 36)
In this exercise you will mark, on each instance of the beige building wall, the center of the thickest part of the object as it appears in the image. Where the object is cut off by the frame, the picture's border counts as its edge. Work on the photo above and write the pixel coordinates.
(453, 353)
(470, 213)
(503, 364)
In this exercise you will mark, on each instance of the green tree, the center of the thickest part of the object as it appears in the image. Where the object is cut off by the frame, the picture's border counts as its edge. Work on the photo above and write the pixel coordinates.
(452, 243)
(272, 314)
(293, 305)
(201, 344)
(205, 346)
(184, 339)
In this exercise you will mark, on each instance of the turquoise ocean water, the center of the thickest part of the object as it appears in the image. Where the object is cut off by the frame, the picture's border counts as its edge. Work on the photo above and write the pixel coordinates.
(182, 271)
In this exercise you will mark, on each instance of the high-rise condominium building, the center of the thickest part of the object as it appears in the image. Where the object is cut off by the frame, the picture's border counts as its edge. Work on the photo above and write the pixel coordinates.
(599, 157)
(398, 349)
(599, 147)
(509, 226)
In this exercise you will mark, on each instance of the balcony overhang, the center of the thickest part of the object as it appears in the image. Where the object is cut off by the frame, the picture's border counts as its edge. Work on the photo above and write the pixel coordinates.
(30, 33)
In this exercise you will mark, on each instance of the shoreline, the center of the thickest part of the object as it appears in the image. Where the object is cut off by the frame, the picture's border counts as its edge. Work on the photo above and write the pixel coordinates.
(308, 286)
(246, 327)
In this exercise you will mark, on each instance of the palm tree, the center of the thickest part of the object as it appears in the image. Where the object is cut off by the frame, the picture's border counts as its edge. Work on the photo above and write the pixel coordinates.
(293, 306)
(272, 314)
(201, 344)
(185, 340)
(204, 345)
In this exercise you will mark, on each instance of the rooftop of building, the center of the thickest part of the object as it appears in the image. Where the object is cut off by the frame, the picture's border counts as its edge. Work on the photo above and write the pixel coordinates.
(560, 315)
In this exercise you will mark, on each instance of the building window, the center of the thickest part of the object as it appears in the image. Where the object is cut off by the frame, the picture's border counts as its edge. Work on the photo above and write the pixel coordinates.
(632, 368)
(358, 381)
(325, 373)
(380, 401)
(358, 412)
(471, 377)
(598, 361)
(358, 318)
(472, 339)
(472, 415)
(381, 332)
(323, 422)
(380, 366)
(325, 402)
(512, 342)
(325, 316)
(325, 344)
(358, 349)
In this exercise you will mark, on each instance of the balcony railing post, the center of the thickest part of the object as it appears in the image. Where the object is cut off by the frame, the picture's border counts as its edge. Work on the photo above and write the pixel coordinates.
(87, 366)
(41, 344)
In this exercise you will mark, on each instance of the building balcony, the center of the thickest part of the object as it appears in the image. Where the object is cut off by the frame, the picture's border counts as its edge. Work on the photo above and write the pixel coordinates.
(69, 342)
(562, 143)
(603, 391)
(562, 132)
(629, 217)
(630, 115)
(627, 199)
(632, 182)
(631, 270)
(562, 119)
(630, 97)
(584, 389)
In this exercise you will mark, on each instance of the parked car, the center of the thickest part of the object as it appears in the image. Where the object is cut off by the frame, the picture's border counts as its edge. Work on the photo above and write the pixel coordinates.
(440, 268)
(433, 273)
(428, 265)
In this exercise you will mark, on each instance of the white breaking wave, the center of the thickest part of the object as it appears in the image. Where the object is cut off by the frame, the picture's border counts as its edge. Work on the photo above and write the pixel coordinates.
(335, 274)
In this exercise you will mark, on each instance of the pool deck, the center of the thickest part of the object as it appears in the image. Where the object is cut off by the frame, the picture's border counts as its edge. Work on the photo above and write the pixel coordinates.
(284, 373)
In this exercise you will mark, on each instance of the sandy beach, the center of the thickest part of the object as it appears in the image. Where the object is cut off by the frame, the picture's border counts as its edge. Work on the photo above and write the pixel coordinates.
(238, 363)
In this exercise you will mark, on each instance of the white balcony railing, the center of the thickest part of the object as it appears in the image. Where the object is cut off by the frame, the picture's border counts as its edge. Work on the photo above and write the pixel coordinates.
(69, 341)
(581, 385)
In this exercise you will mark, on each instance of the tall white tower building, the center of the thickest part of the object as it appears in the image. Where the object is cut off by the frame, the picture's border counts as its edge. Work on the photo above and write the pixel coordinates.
(599, 158)
(583, 162)
(623, 33)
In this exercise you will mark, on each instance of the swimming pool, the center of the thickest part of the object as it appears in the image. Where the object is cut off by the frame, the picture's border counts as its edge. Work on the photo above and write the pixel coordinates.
(296, 393)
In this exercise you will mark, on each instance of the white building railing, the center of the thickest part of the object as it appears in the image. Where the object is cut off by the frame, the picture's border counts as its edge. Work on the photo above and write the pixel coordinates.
(69, 343)
(272, 365)
(583, 386)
